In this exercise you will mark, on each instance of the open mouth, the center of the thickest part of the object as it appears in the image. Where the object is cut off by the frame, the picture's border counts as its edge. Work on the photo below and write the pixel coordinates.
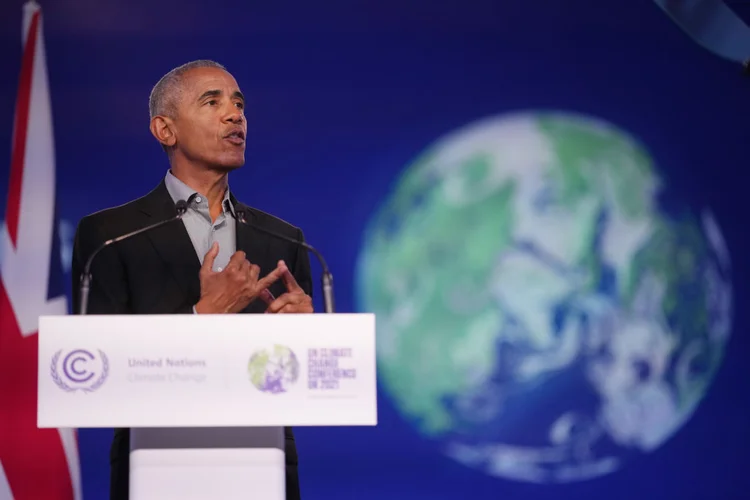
(236, 137)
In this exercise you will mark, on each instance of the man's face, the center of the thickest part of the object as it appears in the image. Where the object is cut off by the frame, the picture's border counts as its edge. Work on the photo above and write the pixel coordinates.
(209, 124)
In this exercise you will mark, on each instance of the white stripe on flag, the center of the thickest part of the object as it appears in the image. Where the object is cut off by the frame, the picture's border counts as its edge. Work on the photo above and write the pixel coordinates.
(70, 446)
(5, 493)
(25, 268)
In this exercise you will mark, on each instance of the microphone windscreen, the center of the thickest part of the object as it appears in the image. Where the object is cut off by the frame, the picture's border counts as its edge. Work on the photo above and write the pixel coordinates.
(181, 206)
(241, 210)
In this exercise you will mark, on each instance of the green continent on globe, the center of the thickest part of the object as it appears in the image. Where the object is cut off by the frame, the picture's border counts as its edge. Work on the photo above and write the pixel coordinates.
(257, 367)
(531, 254)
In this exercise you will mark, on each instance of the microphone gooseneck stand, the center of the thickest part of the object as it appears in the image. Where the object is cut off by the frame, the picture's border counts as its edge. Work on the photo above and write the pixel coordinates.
(326, 278)
(181, 206)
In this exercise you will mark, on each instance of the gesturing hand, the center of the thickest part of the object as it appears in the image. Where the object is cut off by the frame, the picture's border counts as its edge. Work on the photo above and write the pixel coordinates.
(233, 288)
(295, 300)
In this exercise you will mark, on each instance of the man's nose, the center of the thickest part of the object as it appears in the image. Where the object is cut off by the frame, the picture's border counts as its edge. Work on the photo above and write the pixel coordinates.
(234, 114)
(235, 117)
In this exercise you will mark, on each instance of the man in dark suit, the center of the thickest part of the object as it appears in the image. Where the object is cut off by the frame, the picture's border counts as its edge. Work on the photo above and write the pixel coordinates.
(207, 263)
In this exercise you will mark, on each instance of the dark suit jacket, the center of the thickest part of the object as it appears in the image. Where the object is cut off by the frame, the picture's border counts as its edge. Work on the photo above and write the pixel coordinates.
(157, 273)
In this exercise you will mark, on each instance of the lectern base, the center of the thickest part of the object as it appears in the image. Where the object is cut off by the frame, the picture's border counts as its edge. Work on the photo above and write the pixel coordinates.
(201, 474)
(243, 463)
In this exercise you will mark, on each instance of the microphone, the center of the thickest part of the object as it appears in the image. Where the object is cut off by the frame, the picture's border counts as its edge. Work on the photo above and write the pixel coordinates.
(181, 206)
(327, 278)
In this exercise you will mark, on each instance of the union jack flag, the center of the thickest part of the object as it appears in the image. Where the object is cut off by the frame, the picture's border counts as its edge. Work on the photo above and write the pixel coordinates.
(35, 464)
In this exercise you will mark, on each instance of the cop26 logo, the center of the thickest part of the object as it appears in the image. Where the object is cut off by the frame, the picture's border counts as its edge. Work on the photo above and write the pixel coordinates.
(79, 370)
(273, 370)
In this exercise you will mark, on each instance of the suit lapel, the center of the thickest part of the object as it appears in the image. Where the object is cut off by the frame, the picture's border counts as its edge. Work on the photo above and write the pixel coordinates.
(253, 243)
(175, 248)
(256, 247)
(172, 241)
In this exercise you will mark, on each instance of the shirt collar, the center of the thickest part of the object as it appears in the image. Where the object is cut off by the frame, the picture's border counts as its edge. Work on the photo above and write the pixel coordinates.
(178, 190)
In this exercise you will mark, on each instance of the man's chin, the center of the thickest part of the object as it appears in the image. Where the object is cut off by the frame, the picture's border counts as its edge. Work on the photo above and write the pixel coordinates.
(229, 164)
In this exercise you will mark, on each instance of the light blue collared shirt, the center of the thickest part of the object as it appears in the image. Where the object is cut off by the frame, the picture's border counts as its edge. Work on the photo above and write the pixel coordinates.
(197, 220)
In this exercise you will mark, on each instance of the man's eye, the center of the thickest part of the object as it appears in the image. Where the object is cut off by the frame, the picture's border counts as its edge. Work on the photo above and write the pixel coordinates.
(212, 102)
(241, 105)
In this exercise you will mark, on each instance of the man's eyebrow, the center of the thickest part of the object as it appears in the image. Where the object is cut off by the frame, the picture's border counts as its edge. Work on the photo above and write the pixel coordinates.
(210, 93)
(216, 93)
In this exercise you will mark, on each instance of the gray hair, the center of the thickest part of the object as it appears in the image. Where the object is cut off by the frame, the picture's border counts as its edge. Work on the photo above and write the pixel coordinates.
(165, 94)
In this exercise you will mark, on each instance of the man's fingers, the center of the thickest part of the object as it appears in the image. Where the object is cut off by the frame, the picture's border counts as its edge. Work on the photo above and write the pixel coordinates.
(210, 257)
(267, 297)
(279, 303)
(289, 308)
(254, 271)
(236, 260)
(244, 266)
(289, 281)
(296, 300)
(270, 278)
(295, 307)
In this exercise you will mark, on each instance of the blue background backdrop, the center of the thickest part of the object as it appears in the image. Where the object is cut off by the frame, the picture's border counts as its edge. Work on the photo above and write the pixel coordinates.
(344, 95)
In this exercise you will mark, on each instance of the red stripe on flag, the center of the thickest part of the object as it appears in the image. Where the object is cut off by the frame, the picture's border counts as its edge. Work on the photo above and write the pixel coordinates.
(33, 458)
(12, 213)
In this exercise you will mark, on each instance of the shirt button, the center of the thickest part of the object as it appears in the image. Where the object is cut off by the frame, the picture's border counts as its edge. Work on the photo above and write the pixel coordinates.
(218, 269)
(198, 199)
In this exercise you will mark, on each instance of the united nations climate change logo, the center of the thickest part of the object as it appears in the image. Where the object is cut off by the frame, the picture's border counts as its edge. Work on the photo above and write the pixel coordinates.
(273, 370)
(547, 308)
(79, 370)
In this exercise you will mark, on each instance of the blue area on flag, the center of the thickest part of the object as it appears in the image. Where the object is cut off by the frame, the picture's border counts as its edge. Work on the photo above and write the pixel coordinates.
(56, 282)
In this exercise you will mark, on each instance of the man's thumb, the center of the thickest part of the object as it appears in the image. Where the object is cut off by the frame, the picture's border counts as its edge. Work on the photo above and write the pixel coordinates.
(210, 257)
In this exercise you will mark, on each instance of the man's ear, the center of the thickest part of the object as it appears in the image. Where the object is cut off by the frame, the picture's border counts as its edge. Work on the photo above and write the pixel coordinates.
(163, 129)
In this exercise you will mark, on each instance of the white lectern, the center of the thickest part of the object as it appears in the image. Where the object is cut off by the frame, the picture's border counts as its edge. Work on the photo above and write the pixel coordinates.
(207, 396)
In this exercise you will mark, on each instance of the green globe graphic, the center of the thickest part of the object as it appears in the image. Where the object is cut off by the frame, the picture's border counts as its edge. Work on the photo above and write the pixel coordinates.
(545, 312)
(273, 370)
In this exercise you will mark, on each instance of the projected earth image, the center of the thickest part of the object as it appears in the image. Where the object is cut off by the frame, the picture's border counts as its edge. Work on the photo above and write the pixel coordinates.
(545, 313)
